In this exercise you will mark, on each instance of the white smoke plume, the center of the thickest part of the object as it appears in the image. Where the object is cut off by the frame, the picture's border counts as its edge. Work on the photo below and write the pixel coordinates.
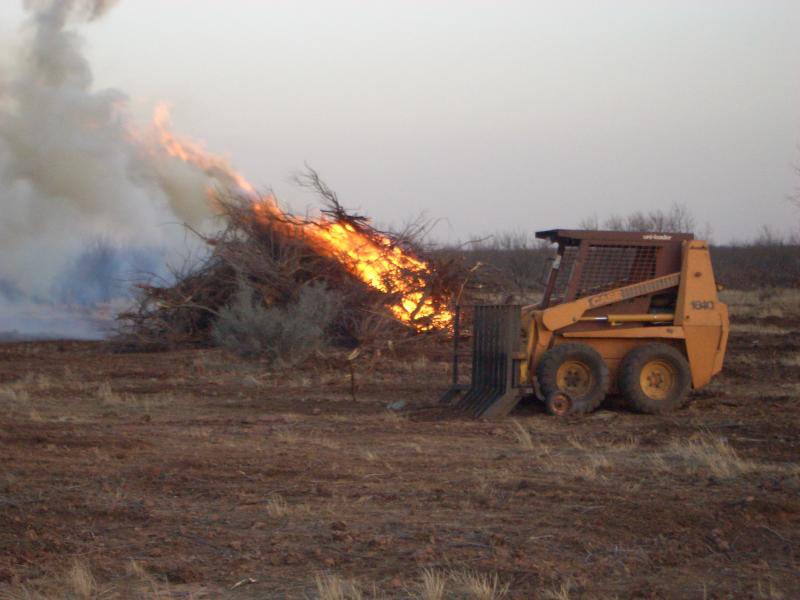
(74, 169)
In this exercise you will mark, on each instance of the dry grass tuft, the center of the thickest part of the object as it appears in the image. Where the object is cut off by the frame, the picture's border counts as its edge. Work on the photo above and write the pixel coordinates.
(432, 586)
(107, 396)
(333, 587)
(711, 453)
(75, 583)
(584, 464)
(524, 439)
(562, 592)
(43, 382)
(768, 592)
(394, 418)
(477, 586)
(326, 443)
(19, 392)
(287, 436)
(576, 443)
(278, 507)
(39, 382)
(413, 446)
(284, 436)
(792, 360)
(14, 394)
(627, 444)
(80, 581)
(134, 569)
(587, 468)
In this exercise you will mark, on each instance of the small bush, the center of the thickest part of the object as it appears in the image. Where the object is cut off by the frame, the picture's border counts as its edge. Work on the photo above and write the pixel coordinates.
(285, 335)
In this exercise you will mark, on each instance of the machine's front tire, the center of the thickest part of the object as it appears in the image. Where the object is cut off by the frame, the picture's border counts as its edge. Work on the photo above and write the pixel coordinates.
(577, 371)
(654, 378)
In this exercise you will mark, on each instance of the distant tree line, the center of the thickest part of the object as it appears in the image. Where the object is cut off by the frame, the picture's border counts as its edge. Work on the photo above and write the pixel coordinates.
(518, 262)
(678, 218)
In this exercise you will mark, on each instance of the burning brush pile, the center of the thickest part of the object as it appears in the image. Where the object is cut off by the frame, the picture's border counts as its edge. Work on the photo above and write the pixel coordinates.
(79, 173)
(274, 284)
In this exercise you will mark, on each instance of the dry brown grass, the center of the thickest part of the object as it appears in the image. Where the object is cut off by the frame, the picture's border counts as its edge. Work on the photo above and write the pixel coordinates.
(333, 587)
(293, 438)
(589, 458)
(432, 586)
(81, 581)
(77, 582)
(523, 436)
(285, 436)
(38, 382)
(14, 394)
(562, 592)
(758, 329)
(277, 507)
(413, 446)
(394, 418)
(710, 453)
(599, 445)
(791, 360)
(479, 586)
(768, 591)
(326, 442)
(626, 444)
(586, 466)
(107, 396)
(779, 303)
(21, 392)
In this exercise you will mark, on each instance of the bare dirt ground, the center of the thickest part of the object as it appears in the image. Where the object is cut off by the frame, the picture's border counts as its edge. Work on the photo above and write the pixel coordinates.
(182, 474)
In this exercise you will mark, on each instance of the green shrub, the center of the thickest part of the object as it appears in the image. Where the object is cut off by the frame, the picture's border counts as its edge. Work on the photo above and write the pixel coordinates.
(285, 335)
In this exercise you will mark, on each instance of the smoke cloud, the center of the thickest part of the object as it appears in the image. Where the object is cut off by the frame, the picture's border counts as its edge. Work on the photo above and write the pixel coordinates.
(74, 169)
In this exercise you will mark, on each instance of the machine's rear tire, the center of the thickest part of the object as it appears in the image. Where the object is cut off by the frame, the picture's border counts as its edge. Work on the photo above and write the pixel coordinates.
(577, 371)
(654, 378)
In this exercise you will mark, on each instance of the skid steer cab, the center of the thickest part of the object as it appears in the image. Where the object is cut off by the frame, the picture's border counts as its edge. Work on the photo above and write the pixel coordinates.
(632, 313)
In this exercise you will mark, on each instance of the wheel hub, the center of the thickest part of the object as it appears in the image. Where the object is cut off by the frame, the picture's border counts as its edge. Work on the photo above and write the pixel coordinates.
(575, 378)
(658, 379)
(560, 404)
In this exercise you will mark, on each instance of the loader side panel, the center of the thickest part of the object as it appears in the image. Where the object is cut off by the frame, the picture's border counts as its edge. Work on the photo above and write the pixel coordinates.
(703, 317)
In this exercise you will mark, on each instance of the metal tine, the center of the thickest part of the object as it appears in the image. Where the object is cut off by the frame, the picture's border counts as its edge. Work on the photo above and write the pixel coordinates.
(495, 333)
(485, 383)
(498, 363)
(479, 351)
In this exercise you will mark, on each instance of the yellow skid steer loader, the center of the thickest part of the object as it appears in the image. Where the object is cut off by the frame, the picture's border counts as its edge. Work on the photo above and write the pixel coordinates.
(633, 313)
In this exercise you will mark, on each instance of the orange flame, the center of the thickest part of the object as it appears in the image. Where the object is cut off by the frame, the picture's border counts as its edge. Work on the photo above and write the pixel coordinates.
(194, 153)
(371, 257)
(384, 266)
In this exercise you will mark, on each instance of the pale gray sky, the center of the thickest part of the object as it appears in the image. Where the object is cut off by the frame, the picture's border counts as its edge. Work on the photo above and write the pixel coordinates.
(490, 115)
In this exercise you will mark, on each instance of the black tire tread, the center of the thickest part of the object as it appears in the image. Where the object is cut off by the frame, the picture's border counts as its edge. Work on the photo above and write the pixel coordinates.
(630, 369)
(548, 367)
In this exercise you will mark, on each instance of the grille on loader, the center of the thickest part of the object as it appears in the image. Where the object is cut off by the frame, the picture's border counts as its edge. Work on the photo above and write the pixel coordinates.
(492, 391)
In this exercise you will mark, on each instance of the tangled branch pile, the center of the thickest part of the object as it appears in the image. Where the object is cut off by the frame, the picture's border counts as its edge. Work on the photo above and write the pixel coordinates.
(267, 259)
